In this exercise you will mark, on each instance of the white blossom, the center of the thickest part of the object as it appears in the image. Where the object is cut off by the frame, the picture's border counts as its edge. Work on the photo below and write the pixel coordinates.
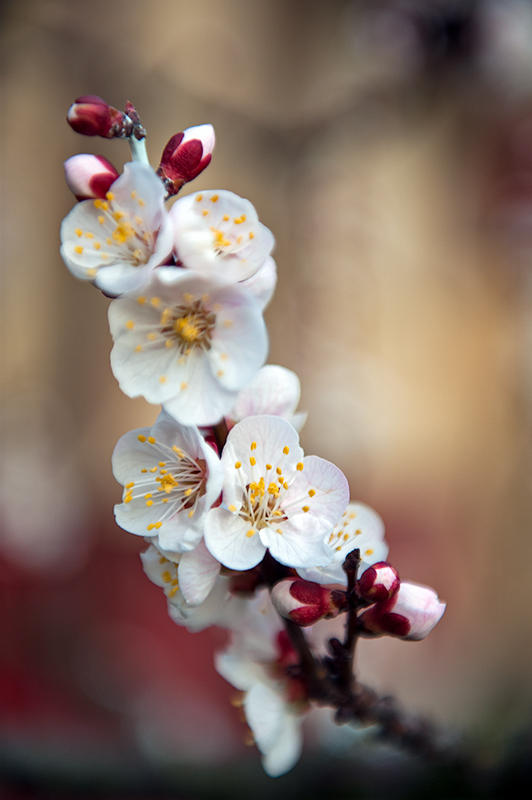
(274, 390)
(360, 527)
(273, 498)
(219, 233)
(197, 595)
(253, 663)
(117, 241)
(171, 478)
(189, 342)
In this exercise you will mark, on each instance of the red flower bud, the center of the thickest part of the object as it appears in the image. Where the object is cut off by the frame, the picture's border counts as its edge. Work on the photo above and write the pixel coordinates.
(89, 176)
(379, 582)
(92, 116)
(185, 156)
(411, 613)
(304, 602)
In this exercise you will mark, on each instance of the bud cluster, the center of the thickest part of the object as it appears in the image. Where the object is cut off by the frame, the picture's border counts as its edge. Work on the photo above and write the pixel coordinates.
(243, 529)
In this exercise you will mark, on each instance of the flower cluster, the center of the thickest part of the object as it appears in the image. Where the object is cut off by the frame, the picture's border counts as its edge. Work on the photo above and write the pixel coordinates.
(243, 529)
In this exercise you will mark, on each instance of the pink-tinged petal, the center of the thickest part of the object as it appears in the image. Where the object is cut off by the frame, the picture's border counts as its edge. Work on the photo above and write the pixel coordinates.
(197, 574)
(89, 176)
(411, 613)
(274, 390)
(226, 538)
(200, 399)
(262, 284)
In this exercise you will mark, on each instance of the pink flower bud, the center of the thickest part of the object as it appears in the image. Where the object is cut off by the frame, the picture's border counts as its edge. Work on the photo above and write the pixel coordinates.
(185, 156)
(92, 116)
(304, 602)
(411, 613)
(88, 176)
(379, 582)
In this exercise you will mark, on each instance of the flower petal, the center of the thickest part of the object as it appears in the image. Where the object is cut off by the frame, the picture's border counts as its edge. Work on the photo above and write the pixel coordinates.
(227, 540)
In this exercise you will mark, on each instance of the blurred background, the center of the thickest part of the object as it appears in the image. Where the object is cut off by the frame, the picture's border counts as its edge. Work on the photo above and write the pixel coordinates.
(388, 146)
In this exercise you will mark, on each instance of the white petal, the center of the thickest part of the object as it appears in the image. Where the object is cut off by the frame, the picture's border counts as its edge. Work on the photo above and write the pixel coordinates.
(262, 283)
(265, 709)
(226, 539)
(330, 487)
(287, 749)
(217, 232)
(274, 390)
(275, 442)
(197, 574)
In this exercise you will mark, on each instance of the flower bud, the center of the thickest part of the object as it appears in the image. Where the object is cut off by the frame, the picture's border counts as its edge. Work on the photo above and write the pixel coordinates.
(411, 613)
(379, 582)
(88, 176)
(304, 602)
(92, 116)
(185, 156)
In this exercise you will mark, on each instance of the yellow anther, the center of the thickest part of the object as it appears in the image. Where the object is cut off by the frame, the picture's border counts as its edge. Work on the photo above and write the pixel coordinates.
(118, 215)
(252, 461)
(110, 196)
(133, 194)
(92, 272)
(220, 373)
(151, 439)
(299, 466)
(279, 470)
(162, 463)
(169, 343)
(368, 552)
(251, 235)
(123, 232)
(305, 509)
(158, 525)
(238, 464)
(286, 450)
(141, 437)
(150, 527)
(273, 489)
(167, 483)
(177, 450)
(101, 219)
(214, 198)
(155, 301)
(183, 386)
(358, 532)
(97, 246)
(79, 249)
(129, 485)
(151, 336)
(199, 198)
(144, 470)
(78, 232)
(130, 324)
(186, 329)
(250, 533)
(232, 507)
(141, 300)
(191, 513)
(153, 469)
(141, 202)
(166, 315)
(187, 492)
(204, 213)
(162, 378)
(149, 502)
(101, 204)
(346, 537)
(128, 498)
(268, 466)
(311, 492)
(253, 446)
(89, 235)
(138, 348)
(352, 515)
(285, 485)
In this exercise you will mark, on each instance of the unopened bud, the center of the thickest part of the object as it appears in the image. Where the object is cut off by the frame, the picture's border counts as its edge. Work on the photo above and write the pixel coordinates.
(185, 156)
(411, 613)
(304, 602)
(92, 116)
(379, 582)
(88, 176)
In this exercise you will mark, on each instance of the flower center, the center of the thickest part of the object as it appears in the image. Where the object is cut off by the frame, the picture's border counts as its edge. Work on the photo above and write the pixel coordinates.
(262, 504)
(190, 324)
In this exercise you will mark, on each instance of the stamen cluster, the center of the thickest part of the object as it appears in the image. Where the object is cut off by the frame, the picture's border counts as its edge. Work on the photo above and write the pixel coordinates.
(243, 529)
